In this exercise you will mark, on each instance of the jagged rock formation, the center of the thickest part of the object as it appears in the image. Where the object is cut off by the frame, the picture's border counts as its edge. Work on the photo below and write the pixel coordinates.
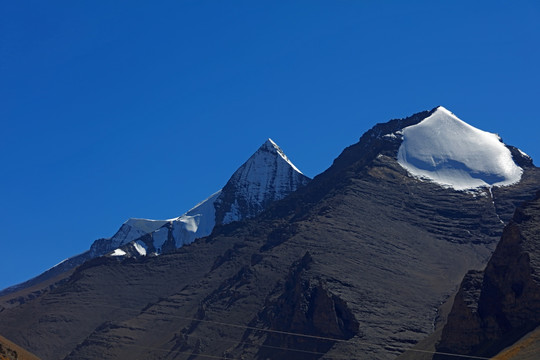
(496, 307)
(385, 248)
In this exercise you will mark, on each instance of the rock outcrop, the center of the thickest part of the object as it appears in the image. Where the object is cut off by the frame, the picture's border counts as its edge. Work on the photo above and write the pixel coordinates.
(496, 307)
(303, 315)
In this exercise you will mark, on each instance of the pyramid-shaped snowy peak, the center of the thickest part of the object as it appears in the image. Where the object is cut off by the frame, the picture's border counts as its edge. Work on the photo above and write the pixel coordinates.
(268, 175)
(450, 152)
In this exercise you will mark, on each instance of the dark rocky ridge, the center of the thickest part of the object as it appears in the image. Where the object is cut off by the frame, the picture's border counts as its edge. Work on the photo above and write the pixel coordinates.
(385, 250)
(503, 303)
(56, 271)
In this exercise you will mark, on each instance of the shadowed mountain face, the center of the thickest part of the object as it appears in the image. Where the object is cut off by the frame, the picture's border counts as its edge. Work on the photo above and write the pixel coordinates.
(496, 307)
(352, 265)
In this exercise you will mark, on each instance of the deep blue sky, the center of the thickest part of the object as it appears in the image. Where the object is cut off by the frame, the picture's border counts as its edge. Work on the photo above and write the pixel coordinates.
(113, 109)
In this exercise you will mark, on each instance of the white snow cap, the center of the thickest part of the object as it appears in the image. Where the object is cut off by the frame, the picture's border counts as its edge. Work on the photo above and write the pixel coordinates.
(268, 175)
(452, 153)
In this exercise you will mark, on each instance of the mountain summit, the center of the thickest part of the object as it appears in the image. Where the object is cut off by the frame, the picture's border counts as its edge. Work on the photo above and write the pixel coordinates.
(268, 175)
(450, 152)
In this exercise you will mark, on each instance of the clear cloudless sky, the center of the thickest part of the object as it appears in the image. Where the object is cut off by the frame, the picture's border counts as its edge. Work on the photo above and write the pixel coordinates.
(119, 109)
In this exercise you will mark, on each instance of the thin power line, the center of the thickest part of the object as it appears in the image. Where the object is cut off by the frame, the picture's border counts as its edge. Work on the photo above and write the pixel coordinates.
(249, 344)
(288, 333)
(269, 346)
(311, 336)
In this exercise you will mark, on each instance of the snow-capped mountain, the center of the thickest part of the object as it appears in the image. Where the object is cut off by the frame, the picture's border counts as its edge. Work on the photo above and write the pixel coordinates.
(268, 175)
(450, 152)
(360, 259)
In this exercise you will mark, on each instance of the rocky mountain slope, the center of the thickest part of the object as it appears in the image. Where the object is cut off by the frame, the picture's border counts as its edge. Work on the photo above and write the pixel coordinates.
(268, 175)
(495, 307)
(353, 265)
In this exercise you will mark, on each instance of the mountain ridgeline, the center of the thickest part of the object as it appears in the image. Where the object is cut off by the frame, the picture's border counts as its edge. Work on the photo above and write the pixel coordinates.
(354, 264)
(268, 175)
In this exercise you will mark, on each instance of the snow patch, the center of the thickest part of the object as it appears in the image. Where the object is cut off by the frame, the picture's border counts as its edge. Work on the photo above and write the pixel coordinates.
(450, 152)
(133, 229)
(118, 252)
(524, 154)
(140, 247)
(394, 135)
(196, 223)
